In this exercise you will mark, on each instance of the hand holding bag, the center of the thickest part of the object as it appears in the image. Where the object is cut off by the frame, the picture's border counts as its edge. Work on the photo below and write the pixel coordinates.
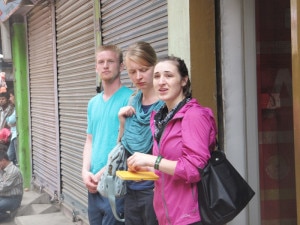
(222, 191)
(110, 185)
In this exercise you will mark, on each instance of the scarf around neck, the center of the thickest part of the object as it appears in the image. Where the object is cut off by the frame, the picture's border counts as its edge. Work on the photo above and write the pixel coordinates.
(162, 117)
(137, 135)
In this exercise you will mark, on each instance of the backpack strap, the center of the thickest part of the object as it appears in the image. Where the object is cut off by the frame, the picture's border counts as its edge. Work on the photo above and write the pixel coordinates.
(111, 197)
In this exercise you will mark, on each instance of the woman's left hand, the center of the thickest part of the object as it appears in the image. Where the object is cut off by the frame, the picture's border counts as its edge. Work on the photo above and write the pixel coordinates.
(126, 111)
(140, 162)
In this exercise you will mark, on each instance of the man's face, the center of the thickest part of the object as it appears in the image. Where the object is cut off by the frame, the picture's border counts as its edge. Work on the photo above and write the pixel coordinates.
(3, 101)
(2, 164)
(12, 99)
(108, 66)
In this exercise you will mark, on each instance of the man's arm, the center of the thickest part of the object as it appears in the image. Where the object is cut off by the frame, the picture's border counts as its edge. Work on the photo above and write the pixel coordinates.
(8, 182)
(88, 178)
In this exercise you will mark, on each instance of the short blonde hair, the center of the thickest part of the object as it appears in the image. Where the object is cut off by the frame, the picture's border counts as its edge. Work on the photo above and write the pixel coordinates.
(112, 48)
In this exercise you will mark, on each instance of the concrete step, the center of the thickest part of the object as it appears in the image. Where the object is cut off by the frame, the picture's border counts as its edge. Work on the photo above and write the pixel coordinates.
(35, 209)
(57, 218)
(30, 198)
(32, 203)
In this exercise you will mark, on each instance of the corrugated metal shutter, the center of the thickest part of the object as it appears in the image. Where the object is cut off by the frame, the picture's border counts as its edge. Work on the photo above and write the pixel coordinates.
(124, 22)
(76, 85)
(43, 104)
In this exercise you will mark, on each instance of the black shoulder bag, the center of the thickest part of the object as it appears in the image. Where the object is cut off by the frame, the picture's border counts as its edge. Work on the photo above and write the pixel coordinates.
(222, 191)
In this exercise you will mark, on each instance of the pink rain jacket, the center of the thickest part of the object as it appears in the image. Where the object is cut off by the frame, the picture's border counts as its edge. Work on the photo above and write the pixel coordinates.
(188, 139)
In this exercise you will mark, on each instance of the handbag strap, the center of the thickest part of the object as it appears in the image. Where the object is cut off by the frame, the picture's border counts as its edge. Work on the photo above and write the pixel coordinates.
(217, 146)
(111, 197)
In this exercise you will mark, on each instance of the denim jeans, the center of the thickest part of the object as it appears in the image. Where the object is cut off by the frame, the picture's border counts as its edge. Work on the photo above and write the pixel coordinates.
(9, 203)
(99, 210)
(139, 208)
(12, 151)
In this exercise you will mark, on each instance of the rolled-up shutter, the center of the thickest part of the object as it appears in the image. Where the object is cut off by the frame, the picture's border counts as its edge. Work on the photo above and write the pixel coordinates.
(76, 85)
(61, 87)
(124, 22)
(43, 98)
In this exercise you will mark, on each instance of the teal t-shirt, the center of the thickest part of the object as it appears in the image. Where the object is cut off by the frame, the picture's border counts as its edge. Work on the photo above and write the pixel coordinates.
(103, 125)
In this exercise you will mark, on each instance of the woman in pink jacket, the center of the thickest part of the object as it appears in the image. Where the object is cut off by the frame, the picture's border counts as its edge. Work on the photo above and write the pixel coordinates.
(184, 134)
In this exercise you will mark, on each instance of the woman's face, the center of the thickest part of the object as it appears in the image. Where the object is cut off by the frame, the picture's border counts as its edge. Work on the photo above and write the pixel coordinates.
(168, 83)
(140, 75)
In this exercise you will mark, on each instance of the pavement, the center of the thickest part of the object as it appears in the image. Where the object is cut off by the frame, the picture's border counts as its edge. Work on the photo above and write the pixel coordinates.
(36, 209)
(27, 196)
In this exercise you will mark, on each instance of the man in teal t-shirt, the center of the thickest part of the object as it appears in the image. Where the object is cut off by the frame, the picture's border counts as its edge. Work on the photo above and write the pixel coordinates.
(102, 132)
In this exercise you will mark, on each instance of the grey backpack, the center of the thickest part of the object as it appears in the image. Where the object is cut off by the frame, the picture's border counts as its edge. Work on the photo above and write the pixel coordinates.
(110, 185)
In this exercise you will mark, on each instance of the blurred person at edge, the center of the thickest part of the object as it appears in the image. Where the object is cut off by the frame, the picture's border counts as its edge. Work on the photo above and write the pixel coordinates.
(6, 109)
(11, 122)
(102, 132)
(140, 60)
(11, 186)
(184, 134)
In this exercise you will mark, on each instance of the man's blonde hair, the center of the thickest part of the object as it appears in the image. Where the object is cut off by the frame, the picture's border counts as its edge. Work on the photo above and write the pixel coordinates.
(112, 48)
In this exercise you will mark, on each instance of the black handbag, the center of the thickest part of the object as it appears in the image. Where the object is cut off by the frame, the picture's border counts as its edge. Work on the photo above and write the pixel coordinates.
(222, 191)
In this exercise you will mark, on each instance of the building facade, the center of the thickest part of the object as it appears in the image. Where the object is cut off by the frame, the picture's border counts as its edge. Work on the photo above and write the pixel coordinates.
(243, 59)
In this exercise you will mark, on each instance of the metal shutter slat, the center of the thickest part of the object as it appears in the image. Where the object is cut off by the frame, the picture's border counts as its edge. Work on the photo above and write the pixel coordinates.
(76, 85)
(45, 156)
(126, 22)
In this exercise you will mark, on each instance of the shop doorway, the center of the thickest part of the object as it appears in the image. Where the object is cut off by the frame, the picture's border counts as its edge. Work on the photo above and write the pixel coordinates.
(275, 113)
